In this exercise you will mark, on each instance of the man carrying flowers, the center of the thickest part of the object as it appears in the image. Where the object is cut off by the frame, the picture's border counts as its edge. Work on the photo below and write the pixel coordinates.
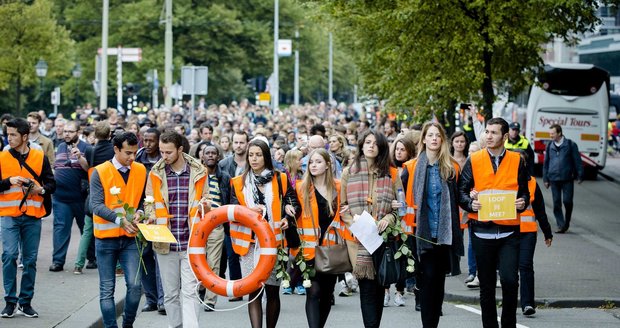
(177, 184)
(116, 188)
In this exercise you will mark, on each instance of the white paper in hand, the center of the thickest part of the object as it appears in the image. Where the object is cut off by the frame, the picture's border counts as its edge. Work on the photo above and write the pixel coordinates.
(364, 228)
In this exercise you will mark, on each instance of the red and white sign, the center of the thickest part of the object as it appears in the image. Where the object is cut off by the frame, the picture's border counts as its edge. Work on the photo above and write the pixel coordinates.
(127, 54)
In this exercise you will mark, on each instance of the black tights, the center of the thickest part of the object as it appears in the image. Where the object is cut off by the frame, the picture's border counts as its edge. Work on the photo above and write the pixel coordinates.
(255, 308)
(318, 299)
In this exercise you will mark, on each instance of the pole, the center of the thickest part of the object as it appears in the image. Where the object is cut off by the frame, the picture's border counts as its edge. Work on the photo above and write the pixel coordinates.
(168, 54)
(155, 103)
(41, 93)
(275, 88)
(192, 113)
(330, 95)
(296, 79)
(103, 85)
(119, 80)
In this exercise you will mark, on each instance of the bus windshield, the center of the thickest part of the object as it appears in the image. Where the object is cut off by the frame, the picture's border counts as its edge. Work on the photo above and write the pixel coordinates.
(573, 82)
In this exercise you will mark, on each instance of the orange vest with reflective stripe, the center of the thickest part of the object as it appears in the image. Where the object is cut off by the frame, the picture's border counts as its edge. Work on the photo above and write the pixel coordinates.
(309, 228)
(528, 219)
(161, 210)
(11, 198)
(130, 194)
(240, 235)
(408, 223)
(505, 179)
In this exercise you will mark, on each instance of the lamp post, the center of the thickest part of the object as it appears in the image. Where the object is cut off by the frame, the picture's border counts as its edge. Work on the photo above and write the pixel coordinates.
(77, 73)
(41, 68)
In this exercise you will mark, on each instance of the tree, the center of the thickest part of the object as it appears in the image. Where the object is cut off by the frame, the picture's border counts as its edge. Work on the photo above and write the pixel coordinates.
(233, 38)
(29, 32)
(427, 54)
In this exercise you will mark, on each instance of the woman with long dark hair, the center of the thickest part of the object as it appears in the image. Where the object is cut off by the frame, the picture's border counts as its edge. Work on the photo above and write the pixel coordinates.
(437, 226)
(367, 186)
(262, 189)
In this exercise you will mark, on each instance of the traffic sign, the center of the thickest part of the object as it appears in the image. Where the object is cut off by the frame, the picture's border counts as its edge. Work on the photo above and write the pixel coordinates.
(127, 54)
(285, 47)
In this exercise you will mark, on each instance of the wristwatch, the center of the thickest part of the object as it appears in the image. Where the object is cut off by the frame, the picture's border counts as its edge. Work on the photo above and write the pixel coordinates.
(42, 191)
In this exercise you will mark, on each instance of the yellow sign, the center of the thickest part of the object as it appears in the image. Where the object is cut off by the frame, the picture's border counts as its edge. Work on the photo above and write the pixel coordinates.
(264, 96)
(157, 233)
(500, 206)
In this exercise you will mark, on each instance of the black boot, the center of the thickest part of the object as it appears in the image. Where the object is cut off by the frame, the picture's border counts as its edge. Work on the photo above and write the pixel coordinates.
(416, 293)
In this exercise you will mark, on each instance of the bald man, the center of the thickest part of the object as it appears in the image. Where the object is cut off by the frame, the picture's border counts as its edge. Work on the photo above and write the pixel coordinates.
(316, 142)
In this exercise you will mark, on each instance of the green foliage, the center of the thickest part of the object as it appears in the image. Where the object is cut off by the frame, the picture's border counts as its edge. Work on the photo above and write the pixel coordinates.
(425, 54)
(29, 32)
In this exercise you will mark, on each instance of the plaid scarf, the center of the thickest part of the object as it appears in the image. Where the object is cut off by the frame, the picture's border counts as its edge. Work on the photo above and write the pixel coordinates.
(378, 202)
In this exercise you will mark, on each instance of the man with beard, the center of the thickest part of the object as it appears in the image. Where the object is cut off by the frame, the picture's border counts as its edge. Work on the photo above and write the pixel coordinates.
(177, 184)
(151, 282)
(68, 201)
(47, 145)
(218, 184)
(234, 165)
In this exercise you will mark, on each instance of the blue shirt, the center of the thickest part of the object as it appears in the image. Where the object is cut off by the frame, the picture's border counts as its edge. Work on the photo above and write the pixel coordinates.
(433, 197)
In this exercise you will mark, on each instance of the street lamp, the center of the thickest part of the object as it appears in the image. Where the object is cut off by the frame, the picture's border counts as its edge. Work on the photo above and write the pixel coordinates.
(41, 69)
(77, 73)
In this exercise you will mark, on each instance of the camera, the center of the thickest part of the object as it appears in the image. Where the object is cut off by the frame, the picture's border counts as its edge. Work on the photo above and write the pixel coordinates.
(28, 184)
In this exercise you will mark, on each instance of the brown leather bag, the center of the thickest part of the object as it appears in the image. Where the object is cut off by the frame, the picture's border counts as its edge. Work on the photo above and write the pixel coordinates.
(332, 259)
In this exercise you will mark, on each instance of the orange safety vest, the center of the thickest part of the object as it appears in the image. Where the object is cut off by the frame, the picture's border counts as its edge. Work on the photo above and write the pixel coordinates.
(487, 181)
(240, 235)
(130, 194)
(408, 223)
(11, 198)
(161, 205)
(528, 219)
(394, 173)
(306, 225)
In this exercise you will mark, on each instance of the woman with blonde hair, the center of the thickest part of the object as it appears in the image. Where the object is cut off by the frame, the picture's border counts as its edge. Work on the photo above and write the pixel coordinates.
(292, 165)
(437, 227)
(338, 147)
(319, 197)
(367, 186)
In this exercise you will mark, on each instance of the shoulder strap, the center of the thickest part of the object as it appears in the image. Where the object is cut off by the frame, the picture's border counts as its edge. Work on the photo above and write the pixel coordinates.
(27, 167)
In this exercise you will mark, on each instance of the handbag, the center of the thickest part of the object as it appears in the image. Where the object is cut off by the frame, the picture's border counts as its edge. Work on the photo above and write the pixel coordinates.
(389, 269)
(331, 259)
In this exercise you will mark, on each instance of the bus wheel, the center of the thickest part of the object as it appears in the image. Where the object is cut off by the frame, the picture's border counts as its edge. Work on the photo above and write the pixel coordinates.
(590, 172)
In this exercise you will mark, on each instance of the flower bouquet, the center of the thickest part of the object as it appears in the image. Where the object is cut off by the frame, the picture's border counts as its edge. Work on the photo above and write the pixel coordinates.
(395, 231)
(129, 212)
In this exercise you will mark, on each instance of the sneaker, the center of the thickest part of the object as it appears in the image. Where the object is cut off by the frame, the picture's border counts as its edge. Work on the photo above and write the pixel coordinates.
(9, 310)
(399, 299)
(345, 291)
(498, 283)
(529, 310)
(470, 278)
(386, 299)
(209, 307)
(21, 265)
(474, 283)
(77, 270)
(287, 291)
(28, 311)
(351, 281)
(300, 290)
(91, 265)
(120, 272)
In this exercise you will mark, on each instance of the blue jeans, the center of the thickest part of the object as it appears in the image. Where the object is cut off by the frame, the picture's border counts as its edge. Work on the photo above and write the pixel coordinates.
(526, 268)
(63, 221)
(471, 257)
(28, 230)
(561, 189)
(109, 252)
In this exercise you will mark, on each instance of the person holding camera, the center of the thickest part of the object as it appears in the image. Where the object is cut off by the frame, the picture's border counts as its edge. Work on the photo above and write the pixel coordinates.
(26, 178)
(70, 169)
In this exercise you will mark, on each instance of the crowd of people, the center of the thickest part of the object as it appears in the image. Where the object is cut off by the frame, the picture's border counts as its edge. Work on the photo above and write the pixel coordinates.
(309, 169)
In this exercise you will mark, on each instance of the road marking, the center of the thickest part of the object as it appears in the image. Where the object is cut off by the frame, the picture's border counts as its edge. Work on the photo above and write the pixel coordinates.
(478, 312)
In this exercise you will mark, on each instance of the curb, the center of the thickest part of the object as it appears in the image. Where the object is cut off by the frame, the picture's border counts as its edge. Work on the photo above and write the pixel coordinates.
(547, 302)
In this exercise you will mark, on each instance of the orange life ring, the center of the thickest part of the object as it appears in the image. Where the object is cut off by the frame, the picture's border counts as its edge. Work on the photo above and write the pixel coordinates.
(264, 236)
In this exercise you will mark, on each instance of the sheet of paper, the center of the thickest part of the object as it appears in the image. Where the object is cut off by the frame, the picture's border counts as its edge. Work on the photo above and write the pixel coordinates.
(157, 233)
(497, 206)
(364, 228)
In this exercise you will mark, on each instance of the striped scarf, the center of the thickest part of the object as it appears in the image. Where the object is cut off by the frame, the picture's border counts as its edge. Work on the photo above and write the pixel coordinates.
(378, 202)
